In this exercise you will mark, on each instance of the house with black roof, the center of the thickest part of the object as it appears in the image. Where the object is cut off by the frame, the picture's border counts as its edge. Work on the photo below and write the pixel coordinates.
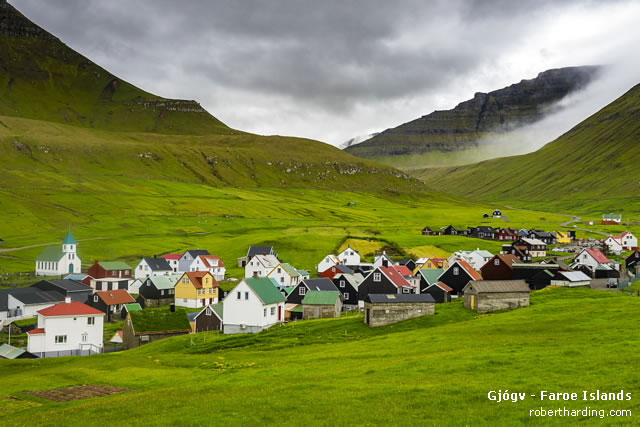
(297, 294)
(409, 263)
(348, 285)
(632, 262)
(483, 232)
(152, 266)
(453, 231)
(27, 302)
(184, 263)
(253, 251)
(73, 289)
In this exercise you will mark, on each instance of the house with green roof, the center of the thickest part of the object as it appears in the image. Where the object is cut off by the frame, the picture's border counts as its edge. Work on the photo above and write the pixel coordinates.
(321, 304)
(252, 305)
(158, 290)
(109, 269)
(286, 275)
(145, 326)
(428, 277)
(611, 218)
(59, 260)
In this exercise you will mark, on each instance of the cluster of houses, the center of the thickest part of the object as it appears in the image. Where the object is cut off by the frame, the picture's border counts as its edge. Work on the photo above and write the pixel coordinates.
(503, 234)
(71, 311)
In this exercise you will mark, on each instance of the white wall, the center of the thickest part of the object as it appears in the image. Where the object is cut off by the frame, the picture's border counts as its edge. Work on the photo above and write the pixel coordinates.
(349, 257)
(27, 310)
(249, 311)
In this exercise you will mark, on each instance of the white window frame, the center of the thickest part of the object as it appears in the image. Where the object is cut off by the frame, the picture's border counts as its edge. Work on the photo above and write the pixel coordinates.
(342, 283)
(91, 320)
(377, 277)
(456, 271)
(60, 339)
(302, 290)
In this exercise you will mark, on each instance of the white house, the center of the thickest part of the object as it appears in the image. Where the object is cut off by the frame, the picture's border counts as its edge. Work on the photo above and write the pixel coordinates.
(252, 305)
(476, 259)
(613, 245)
(571, 279)
(26, 302)
(382, 260)
(626, 241)
(67, 329)
(149, 267)
(173, 260)
(286, 275)
(211, 263)
(184, 263)
(327, 262)
(55, 261)
(349, 256)
(260, 265)
(593, 258)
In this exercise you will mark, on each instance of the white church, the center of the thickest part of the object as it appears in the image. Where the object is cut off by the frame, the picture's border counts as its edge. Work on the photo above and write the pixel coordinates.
(55, 261)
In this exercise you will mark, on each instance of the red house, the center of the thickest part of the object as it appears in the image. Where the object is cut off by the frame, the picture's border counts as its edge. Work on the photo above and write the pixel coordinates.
(330, 272)
(508, 234)
(500, 267)
(104, 270)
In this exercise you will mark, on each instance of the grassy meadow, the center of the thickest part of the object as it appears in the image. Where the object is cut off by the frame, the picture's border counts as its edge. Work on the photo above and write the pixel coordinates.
(433, 370)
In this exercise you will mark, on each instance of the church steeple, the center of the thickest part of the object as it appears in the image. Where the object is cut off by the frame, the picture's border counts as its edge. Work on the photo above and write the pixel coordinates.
(69, 243)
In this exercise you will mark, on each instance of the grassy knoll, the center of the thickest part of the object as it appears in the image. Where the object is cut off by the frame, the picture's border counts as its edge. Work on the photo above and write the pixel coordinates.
(589, 169)
(434, 370)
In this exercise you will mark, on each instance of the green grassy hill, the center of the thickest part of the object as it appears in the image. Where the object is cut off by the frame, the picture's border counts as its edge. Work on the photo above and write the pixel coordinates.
(592, 167)
(435, 370)
(43, 79)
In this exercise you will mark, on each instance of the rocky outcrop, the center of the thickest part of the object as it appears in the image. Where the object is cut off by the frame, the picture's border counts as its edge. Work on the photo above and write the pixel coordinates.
(495, 112)
(14, 24)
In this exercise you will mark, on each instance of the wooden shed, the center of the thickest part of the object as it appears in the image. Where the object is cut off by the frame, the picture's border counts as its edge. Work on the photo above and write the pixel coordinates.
(321, 304)
(386, 309)
(209, 318)
(490, 295)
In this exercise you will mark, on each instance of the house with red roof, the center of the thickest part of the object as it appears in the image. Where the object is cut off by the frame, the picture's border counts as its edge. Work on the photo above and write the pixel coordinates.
(110, 302)
(173, 260)
(596, 263)
(384, 280)
(211, 263)
(67, 329)
(624, 241)
(458, 275)
(440, 292)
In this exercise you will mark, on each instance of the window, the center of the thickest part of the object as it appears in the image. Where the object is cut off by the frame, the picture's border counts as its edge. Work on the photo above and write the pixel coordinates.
(206, 280)
(282, 280)
(456, 271)
(95, 298)
(162, 292)
(377, 277)
(246, 295)
(405, 290)
(273, 311)
(84, 337)
(61, 339)
(342, 283)
(184, 300)
(91, 320)
(496, 261)
(208, 311)
(346, 296)
(279, 270)
(265, 312)
(239, 294)
(211, 290)
(302, 290)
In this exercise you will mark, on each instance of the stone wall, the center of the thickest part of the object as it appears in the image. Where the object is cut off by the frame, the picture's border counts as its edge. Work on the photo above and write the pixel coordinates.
(487, 302)
(320, 311)
(389, 313)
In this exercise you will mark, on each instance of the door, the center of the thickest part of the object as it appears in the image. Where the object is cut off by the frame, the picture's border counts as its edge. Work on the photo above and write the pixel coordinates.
(366, 316)
(70, 268)
(204, 302)
(473, 302)
(279, 313)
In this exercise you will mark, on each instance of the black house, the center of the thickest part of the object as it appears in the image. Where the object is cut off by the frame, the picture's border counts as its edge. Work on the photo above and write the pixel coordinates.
(453, 231)
(384, 280)
(409, 263)
(537, 276)
(458, 275)
(157, 290)
(545, 236)
(440, 292)
(77, 291)
(633, 261)
(348, 285)
(483, 232)
(209, 319)
(297, 294)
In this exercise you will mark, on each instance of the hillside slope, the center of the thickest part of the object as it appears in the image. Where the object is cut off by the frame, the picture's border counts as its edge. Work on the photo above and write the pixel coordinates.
(595, 164)
(43, 79)
(465, 126)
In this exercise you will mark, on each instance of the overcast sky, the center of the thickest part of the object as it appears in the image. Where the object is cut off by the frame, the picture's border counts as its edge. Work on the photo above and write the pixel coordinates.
(330, 69)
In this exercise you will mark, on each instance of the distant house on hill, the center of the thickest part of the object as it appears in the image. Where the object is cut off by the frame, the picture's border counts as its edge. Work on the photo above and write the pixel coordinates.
(508, 234)
(59, 260)
(497, 213)
(253, 251)
(427, 231)
(611, 219)
(145, 326)
(490, 295)
(454, 231)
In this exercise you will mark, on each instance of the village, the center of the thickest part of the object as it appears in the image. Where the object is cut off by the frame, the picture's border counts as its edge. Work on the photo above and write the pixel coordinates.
(71, 310)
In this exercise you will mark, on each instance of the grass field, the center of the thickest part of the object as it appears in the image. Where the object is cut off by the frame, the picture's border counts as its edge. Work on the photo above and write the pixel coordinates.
(433, 370)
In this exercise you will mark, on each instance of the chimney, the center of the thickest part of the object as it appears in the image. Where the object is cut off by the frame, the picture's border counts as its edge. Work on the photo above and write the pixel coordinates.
(67, 300)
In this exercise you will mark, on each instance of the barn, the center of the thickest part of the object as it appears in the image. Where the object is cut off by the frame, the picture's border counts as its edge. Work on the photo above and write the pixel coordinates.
(491, 295)
(321, 304)
(386, 309)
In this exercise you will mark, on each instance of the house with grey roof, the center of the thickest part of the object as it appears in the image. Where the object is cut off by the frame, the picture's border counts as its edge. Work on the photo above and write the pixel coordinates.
(158, 290)
(59, 260)
(73, 289)
(26, 302)
(152, 266)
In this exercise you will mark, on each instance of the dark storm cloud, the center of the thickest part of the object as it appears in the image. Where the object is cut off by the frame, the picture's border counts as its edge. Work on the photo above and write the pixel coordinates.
(252, 61)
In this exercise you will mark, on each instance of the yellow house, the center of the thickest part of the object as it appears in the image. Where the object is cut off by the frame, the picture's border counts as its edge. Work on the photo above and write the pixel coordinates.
(196, 289)
(563, 237)
(436, 263)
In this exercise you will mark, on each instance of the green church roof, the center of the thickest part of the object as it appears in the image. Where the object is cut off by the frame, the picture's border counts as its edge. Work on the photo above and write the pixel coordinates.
(51, 254)
(69, 239)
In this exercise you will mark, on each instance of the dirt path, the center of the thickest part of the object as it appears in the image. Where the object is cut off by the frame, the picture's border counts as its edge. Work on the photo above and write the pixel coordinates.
(44, 244)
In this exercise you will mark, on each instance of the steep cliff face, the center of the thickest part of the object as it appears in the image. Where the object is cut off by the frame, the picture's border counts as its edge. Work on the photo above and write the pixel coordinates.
(41, 78)
(495, 112)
